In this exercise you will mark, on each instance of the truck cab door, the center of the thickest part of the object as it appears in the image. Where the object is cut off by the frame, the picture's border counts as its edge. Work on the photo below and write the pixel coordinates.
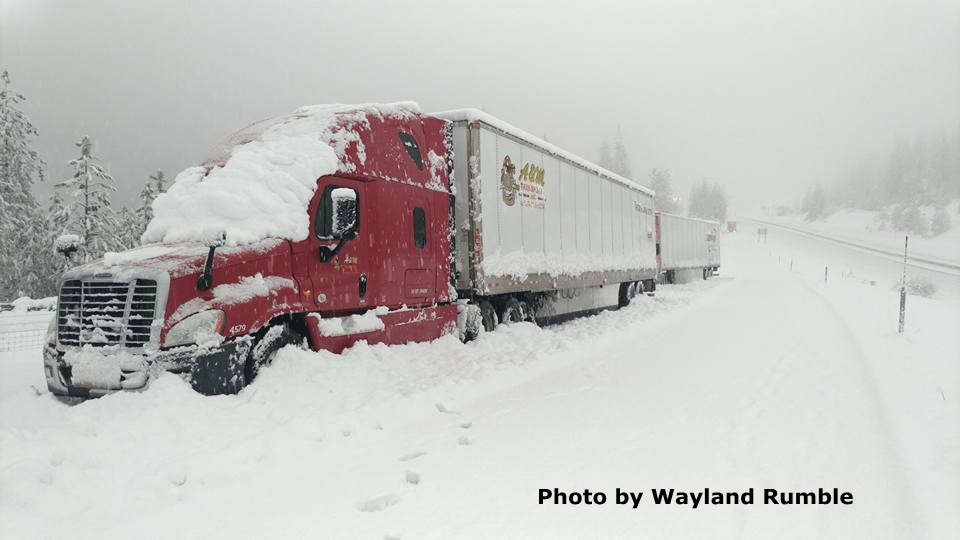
(340, 245)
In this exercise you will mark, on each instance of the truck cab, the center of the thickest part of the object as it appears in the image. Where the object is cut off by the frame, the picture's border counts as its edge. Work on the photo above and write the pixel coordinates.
(321, 228)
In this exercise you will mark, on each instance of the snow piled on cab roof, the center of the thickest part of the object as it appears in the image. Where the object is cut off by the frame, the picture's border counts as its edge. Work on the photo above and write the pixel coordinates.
(262, 185)
(476, 115)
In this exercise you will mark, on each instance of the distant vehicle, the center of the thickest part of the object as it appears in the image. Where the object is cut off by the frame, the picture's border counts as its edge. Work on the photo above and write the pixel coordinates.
(350, 223)
(687, 244)
(731, 226)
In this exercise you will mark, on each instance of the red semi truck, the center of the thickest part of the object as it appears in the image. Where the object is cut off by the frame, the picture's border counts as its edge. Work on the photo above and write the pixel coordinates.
(338, 224)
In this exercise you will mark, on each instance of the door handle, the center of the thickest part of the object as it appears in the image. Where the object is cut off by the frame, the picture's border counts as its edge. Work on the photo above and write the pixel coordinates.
(363, 285)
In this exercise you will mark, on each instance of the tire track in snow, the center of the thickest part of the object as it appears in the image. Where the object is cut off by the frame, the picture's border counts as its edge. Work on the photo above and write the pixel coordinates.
(891, 452)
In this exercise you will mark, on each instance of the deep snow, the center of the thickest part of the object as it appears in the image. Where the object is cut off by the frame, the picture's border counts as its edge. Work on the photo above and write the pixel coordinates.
(763, 378)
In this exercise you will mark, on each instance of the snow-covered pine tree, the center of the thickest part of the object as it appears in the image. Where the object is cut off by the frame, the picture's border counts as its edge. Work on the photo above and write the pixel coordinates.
(57, 213)
(91, 215)
(19, 211)
(620, 158)
(605, 159)
(129, 229)
(155, 185)
(661, 183)
(159, 182)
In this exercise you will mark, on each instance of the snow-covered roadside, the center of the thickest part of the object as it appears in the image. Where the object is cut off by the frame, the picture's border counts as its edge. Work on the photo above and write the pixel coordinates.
(763, 378)
(860, 226)
(916, 376)
(123, 464)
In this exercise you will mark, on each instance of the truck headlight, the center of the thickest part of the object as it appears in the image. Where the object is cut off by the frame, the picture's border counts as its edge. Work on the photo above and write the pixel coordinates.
(52, 331)
(196, 328)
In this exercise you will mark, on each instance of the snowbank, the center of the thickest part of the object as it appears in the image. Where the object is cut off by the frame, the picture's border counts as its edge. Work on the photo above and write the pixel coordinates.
(263, 187)
(25, 303)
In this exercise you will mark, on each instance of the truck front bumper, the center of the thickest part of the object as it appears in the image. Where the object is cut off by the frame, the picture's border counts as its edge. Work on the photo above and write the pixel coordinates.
(209, 370)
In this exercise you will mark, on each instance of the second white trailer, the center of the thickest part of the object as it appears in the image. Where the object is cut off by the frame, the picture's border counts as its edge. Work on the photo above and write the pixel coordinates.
(685, 243)
(531, 218)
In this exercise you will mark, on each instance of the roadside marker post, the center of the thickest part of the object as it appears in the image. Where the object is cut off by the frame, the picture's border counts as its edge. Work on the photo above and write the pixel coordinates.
(903, 286)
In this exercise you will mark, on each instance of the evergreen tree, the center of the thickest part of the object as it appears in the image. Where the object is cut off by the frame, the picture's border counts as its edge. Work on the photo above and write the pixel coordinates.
(814, 203)
(20, 214)
(154, 186)
(707, 202)
(606, 157)
(661, 183)
(718, 203)
(19, 164)
(57, 213)
(620, 160)
(90, 213)
(129, 229)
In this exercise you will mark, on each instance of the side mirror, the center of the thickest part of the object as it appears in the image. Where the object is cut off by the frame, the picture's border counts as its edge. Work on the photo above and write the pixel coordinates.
(67, 244)
(217, 240)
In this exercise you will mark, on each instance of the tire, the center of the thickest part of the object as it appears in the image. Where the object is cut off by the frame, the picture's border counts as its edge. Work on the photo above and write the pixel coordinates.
(263, 352)
(514, 311)
(623, 295)
(489, 316)
(472, 323)
(706, 273)
(633, 289)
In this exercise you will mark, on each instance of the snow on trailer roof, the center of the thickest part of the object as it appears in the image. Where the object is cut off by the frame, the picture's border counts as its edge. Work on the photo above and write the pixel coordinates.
(260, 183)
(476, 115)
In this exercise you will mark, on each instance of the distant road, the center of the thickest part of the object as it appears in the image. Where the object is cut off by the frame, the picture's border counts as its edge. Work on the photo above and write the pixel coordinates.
(925, 263)
(866, 261)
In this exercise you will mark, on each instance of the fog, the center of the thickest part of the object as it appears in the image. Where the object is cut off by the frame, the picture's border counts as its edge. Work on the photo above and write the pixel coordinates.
(764, 97)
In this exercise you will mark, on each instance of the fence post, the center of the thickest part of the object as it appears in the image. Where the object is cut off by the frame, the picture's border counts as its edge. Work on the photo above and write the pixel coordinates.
(825, 268)
(903, 286)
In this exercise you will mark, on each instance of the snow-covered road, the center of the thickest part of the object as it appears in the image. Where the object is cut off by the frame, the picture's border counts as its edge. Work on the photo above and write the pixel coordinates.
(762, 378)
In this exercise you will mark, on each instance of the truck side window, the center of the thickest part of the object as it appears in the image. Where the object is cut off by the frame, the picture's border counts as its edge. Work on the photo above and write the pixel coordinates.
(419, 228)
(324, 226)
(410, 144)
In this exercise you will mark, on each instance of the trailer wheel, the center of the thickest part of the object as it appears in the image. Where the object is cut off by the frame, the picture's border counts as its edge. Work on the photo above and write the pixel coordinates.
(275, 338)
(706, 273)
(633, 289)
(624, 295)
(514, 311)
(489, 316)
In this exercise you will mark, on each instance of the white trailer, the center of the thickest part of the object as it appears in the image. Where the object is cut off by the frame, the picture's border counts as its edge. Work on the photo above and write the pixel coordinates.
(685, 244)
(540, 225)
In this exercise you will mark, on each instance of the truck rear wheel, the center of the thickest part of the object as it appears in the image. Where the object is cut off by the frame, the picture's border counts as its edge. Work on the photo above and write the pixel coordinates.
(628, 290)
(489, 316)
(275, 338)
(515, 311)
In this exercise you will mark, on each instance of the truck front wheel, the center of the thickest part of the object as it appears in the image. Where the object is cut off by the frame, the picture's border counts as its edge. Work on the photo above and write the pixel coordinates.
(275, 338)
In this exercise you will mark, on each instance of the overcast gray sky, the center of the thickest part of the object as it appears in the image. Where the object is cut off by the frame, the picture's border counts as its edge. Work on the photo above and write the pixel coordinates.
(766, 97)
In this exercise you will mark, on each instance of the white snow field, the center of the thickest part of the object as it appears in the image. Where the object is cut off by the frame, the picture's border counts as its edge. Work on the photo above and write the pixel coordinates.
(761, 378)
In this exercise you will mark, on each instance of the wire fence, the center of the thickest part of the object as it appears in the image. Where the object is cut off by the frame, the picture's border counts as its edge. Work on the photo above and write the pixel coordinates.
(22, 340)
(21, 331)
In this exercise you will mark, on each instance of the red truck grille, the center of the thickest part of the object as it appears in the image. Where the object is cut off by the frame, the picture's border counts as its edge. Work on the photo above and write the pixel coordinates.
(102, 314)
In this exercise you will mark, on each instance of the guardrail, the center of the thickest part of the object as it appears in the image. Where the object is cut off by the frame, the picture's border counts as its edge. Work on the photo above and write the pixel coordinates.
(926, 263)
